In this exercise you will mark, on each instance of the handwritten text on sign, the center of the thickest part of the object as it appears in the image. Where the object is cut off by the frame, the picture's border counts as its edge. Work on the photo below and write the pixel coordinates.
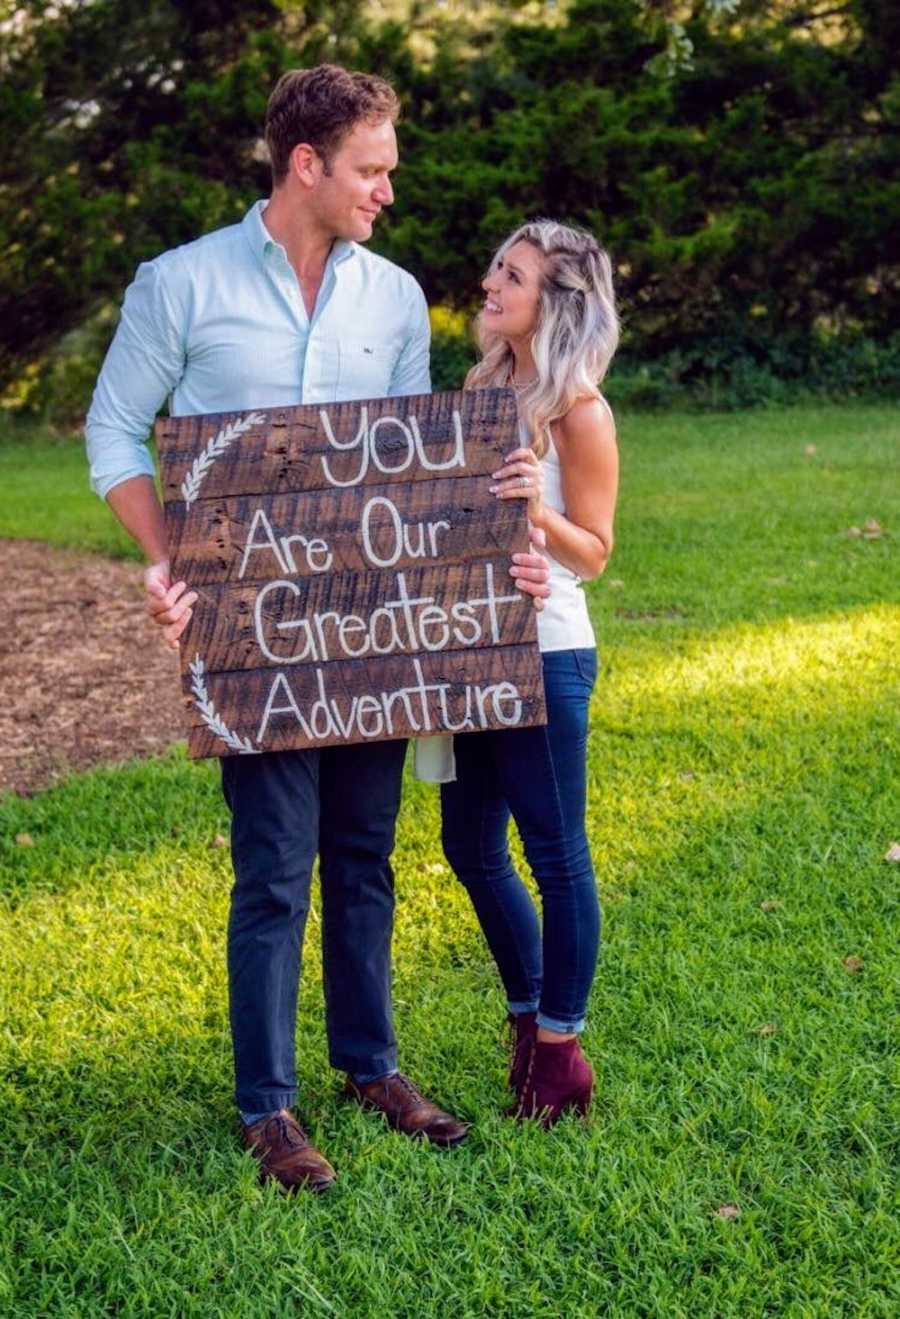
(353, 572)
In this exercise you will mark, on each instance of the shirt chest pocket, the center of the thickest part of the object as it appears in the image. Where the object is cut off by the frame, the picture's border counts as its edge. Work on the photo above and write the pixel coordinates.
(366, 367)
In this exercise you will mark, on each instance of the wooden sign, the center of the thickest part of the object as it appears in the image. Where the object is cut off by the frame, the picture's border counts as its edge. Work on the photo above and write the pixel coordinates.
(352, 569)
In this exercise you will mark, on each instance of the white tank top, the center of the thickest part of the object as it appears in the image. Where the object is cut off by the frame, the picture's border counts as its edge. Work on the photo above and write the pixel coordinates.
(564, 622)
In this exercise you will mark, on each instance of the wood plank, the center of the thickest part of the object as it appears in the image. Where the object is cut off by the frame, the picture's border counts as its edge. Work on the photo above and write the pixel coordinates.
(350, 562)
(338, 616)
(290, 449)
(364, 700)
(207, 539)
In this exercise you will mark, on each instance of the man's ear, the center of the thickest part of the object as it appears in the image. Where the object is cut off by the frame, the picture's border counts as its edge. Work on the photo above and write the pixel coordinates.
(306, 164)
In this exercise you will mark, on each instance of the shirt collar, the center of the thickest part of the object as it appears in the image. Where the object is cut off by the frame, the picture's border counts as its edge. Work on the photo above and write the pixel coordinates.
(262, 242)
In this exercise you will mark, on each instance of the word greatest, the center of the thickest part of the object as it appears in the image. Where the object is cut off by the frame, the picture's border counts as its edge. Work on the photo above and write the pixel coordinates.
(407, 623)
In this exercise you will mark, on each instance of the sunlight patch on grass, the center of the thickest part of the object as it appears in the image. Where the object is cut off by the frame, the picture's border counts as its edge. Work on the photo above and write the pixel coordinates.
(787, 660)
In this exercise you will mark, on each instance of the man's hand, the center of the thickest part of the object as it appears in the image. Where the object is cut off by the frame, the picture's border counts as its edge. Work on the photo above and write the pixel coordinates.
(167, 605)
(531, 571)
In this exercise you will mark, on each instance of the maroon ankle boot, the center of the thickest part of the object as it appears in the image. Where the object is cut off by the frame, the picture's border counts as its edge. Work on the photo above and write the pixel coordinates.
(558, 1077)
(522, 1032)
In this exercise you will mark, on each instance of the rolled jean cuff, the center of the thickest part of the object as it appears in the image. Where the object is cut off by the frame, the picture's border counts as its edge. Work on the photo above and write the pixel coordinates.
(364, 1078)
(561, 1027)
(372, 1066)
(518, 1008)
(250, 1101)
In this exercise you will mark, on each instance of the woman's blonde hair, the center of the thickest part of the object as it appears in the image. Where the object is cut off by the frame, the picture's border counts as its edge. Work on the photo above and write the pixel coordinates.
(577, 328)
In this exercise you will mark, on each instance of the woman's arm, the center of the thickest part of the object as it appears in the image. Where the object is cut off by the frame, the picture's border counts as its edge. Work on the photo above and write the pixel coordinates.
(582, 538)
(585, 440)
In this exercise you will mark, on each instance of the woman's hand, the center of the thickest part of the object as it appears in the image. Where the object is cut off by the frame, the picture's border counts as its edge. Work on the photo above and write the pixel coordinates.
(522, 477)
(531, 569)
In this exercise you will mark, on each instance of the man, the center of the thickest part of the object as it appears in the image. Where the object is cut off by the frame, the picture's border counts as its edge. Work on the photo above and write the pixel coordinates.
(287, 307)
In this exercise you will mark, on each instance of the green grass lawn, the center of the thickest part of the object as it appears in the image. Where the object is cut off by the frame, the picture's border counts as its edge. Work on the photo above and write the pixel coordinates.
(744, 791)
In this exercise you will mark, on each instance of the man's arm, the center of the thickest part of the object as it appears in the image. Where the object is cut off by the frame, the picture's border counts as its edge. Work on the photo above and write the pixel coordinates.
(412, 373)
(144, 364)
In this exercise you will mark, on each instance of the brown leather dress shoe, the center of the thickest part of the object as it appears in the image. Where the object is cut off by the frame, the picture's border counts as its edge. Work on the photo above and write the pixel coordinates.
(407, 1109)
(284, 1153)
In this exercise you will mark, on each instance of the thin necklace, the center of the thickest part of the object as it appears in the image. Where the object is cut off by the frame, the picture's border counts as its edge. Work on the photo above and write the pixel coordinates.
(517, 386)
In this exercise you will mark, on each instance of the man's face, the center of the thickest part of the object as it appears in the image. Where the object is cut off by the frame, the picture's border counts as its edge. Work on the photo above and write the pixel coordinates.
(348, 200)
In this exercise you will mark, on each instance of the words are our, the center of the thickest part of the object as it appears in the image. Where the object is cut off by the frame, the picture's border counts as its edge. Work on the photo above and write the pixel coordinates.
(384, 535)
(383, 545)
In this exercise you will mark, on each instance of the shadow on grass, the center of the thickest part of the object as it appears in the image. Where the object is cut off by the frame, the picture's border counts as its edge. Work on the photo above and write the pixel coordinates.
(104, 818)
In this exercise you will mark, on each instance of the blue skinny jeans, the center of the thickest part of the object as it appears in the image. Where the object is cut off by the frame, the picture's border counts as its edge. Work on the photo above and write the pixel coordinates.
(537, 775)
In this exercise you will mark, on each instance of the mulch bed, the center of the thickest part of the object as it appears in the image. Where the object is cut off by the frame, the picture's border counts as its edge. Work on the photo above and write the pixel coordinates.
(85, 677)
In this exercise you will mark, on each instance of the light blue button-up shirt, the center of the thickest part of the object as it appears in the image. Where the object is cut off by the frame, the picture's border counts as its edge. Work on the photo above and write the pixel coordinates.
(220, 325)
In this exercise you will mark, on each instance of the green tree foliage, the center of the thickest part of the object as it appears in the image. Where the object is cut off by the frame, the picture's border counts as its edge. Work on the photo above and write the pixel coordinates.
(128, 126)
(740, 160)
(752, 193)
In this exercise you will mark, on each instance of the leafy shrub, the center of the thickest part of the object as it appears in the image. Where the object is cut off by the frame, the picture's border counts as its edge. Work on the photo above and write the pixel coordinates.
(712, 374)
(57, 388)
(728, 375)
(452, 348)
(731, 370)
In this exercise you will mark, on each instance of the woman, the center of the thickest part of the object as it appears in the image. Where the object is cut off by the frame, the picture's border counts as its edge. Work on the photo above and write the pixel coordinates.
(548, 328)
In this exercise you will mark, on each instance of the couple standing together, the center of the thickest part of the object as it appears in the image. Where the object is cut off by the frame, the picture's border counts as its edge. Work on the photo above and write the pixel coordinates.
(288, 307)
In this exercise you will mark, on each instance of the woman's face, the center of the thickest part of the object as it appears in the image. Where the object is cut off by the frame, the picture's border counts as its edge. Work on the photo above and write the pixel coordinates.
(512, 289)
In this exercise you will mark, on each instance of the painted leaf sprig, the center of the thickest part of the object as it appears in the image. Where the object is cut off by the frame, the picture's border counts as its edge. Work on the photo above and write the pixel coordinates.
(214, 721)
(190, 486)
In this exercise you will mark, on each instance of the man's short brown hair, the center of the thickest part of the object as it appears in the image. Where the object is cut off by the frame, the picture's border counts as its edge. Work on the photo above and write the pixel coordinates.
(321, 106)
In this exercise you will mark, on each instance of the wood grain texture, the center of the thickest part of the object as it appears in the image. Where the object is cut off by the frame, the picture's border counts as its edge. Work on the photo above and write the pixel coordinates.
(425, 694)
(285, 451)
(352, 571)
(311, 620)
(207, 538)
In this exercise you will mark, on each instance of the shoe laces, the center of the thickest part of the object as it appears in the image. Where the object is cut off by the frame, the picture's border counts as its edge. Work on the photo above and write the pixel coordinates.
(288, 1131)
(526, 1102)
(406, 1084)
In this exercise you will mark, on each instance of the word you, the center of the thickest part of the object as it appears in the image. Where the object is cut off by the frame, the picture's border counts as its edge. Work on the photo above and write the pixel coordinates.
(405, 440)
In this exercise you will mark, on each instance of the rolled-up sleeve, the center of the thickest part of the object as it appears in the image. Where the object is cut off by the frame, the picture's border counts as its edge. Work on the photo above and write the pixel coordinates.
(144, 364)
(412, 373)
